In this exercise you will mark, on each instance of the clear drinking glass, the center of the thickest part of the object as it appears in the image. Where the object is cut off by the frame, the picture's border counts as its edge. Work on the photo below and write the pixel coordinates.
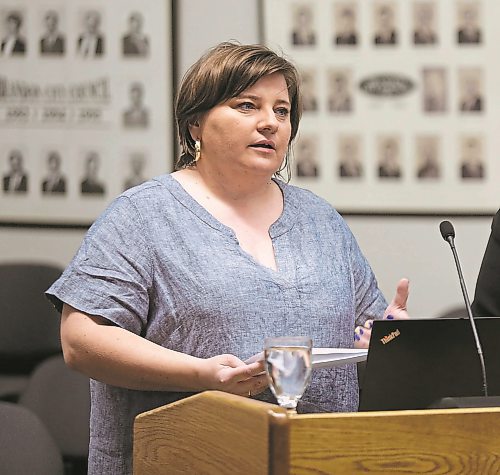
(288, 367)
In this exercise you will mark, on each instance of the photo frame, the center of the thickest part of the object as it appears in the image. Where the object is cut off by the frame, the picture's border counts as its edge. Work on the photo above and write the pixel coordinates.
(400, 100)
(96, 116)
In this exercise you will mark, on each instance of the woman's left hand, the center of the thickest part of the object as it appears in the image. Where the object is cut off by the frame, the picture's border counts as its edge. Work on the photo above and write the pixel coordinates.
(396, 310)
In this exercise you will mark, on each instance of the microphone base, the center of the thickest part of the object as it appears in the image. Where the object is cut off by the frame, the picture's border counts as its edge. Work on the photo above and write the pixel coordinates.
(465, 402)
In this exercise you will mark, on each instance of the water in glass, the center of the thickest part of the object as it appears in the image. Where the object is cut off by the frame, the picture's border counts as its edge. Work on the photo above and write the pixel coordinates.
(288, 366)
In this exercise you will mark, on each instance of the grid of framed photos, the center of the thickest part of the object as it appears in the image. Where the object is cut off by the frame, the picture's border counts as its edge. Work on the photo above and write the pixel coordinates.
(400, 102)
(85, 104)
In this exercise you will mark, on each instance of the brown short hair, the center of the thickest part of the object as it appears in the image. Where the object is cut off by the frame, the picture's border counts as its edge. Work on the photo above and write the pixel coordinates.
(225, 71)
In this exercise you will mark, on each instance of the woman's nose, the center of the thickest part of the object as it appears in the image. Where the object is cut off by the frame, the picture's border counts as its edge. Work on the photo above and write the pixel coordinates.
(268, 120)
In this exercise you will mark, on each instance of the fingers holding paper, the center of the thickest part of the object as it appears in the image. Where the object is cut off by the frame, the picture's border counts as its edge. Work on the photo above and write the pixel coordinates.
(362, 335)
(228, 373)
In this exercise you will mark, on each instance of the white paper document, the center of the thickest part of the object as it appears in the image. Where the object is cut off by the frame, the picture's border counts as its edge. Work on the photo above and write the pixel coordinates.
(327, 357)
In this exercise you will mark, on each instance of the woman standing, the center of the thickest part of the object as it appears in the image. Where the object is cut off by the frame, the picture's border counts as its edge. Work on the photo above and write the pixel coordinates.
(182, 277)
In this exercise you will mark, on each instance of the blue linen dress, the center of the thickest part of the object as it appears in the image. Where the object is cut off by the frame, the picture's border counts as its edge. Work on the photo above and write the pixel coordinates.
(159, 265)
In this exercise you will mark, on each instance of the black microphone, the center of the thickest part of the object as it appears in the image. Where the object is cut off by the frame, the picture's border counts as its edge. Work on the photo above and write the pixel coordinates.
(448, 234)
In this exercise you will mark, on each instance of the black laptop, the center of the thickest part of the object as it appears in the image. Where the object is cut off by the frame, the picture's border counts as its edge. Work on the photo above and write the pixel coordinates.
(414, 363)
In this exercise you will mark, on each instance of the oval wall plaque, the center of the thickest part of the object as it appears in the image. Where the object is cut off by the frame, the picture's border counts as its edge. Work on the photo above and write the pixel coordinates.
(386, 85)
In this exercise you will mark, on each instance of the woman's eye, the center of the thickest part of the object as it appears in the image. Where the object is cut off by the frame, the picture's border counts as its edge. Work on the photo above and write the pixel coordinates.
(282, 112)
(246, 106)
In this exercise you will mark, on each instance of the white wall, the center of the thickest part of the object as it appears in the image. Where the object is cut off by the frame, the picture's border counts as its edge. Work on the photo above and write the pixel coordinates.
(51, 246)
(395, 247)
(203, 24)
(414, 248)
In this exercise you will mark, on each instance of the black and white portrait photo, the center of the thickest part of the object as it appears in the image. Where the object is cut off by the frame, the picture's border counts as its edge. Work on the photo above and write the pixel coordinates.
(136, 173)
(340, 98)
(54, 181)
(303, 32)
(308, 90)
(13, 42)
(389, 157)
(434, 90)
(470, 90)
(306, 162)
(424, 23)
(16, 178)
(469, 29)
(91, 184)
(349, 150)
(428, 164)
(136, 115)
(385, 29)
(345, 21)
(135, 42)
(472, 162)
(91, 42)
(52, 41)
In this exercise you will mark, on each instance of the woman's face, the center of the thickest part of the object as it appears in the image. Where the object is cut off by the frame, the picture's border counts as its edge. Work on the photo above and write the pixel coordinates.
(247, 133)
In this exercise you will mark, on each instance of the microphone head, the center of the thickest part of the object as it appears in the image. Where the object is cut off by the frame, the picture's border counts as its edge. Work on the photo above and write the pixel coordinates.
(447, 230)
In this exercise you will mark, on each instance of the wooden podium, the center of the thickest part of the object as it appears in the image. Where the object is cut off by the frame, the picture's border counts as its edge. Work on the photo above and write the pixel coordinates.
(219, 433)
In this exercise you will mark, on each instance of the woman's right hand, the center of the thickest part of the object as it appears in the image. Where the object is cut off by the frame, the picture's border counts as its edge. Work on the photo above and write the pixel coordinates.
(116, 356)
(228, 373)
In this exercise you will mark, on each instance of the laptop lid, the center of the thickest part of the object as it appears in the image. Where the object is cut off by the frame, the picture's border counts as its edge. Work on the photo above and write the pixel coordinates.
(413, 363)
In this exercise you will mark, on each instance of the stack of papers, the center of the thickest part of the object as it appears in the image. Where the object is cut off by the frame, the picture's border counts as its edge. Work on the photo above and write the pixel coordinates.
(327, 357)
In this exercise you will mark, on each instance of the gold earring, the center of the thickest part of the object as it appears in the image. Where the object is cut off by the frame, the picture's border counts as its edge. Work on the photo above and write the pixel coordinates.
(197, 150)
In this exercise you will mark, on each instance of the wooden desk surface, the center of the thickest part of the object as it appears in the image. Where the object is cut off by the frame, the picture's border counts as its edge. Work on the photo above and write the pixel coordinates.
(217, 433)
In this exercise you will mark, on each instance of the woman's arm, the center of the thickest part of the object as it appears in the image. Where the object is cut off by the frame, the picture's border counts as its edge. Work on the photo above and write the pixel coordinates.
(113, 355)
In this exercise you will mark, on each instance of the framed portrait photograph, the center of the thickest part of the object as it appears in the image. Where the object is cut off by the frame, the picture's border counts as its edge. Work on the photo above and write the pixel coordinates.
(95, 118)
(398, 100)
(13, 32)
(52, 37)
(428, 163)
(385, 23)
(424, 18)
(350, 161)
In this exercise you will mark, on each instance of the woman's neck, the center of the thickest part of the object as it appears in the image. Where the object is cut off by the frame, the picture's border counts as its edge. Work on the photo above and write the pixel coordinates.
(233, 190)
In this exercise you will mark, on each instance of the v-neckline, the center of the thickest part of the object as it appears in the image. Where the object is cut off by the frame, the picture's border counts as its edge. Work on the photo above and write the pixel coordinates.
(283, 223)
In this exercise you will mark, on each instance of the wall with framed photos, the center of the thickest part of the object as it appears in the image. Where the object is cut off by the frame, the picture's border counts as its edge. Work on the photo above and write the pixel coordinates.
(400, 102)
(85, 105)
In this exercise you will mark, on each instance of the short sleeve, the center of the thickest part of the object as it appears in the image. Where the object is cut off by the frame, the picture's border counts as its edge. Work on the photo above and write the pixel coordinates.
(369, 301)
(111, 274)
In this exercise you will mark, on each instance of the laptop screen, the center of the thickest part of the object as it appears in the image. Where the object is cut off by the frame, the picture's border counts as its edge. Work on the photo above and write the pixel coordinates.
(413, 363)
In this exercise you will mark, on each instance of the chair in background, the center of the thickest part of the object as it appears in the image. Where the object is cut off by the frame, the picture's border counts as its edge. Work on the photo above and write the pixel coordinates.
(60, 397)
(459, 312)
(455, 312)
(29, 324)
(26, 447)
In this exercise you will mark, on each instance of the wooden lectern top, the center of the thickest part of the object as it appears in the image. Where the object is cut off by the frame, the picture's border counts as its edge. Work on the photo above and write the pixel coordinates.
(220, 433)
